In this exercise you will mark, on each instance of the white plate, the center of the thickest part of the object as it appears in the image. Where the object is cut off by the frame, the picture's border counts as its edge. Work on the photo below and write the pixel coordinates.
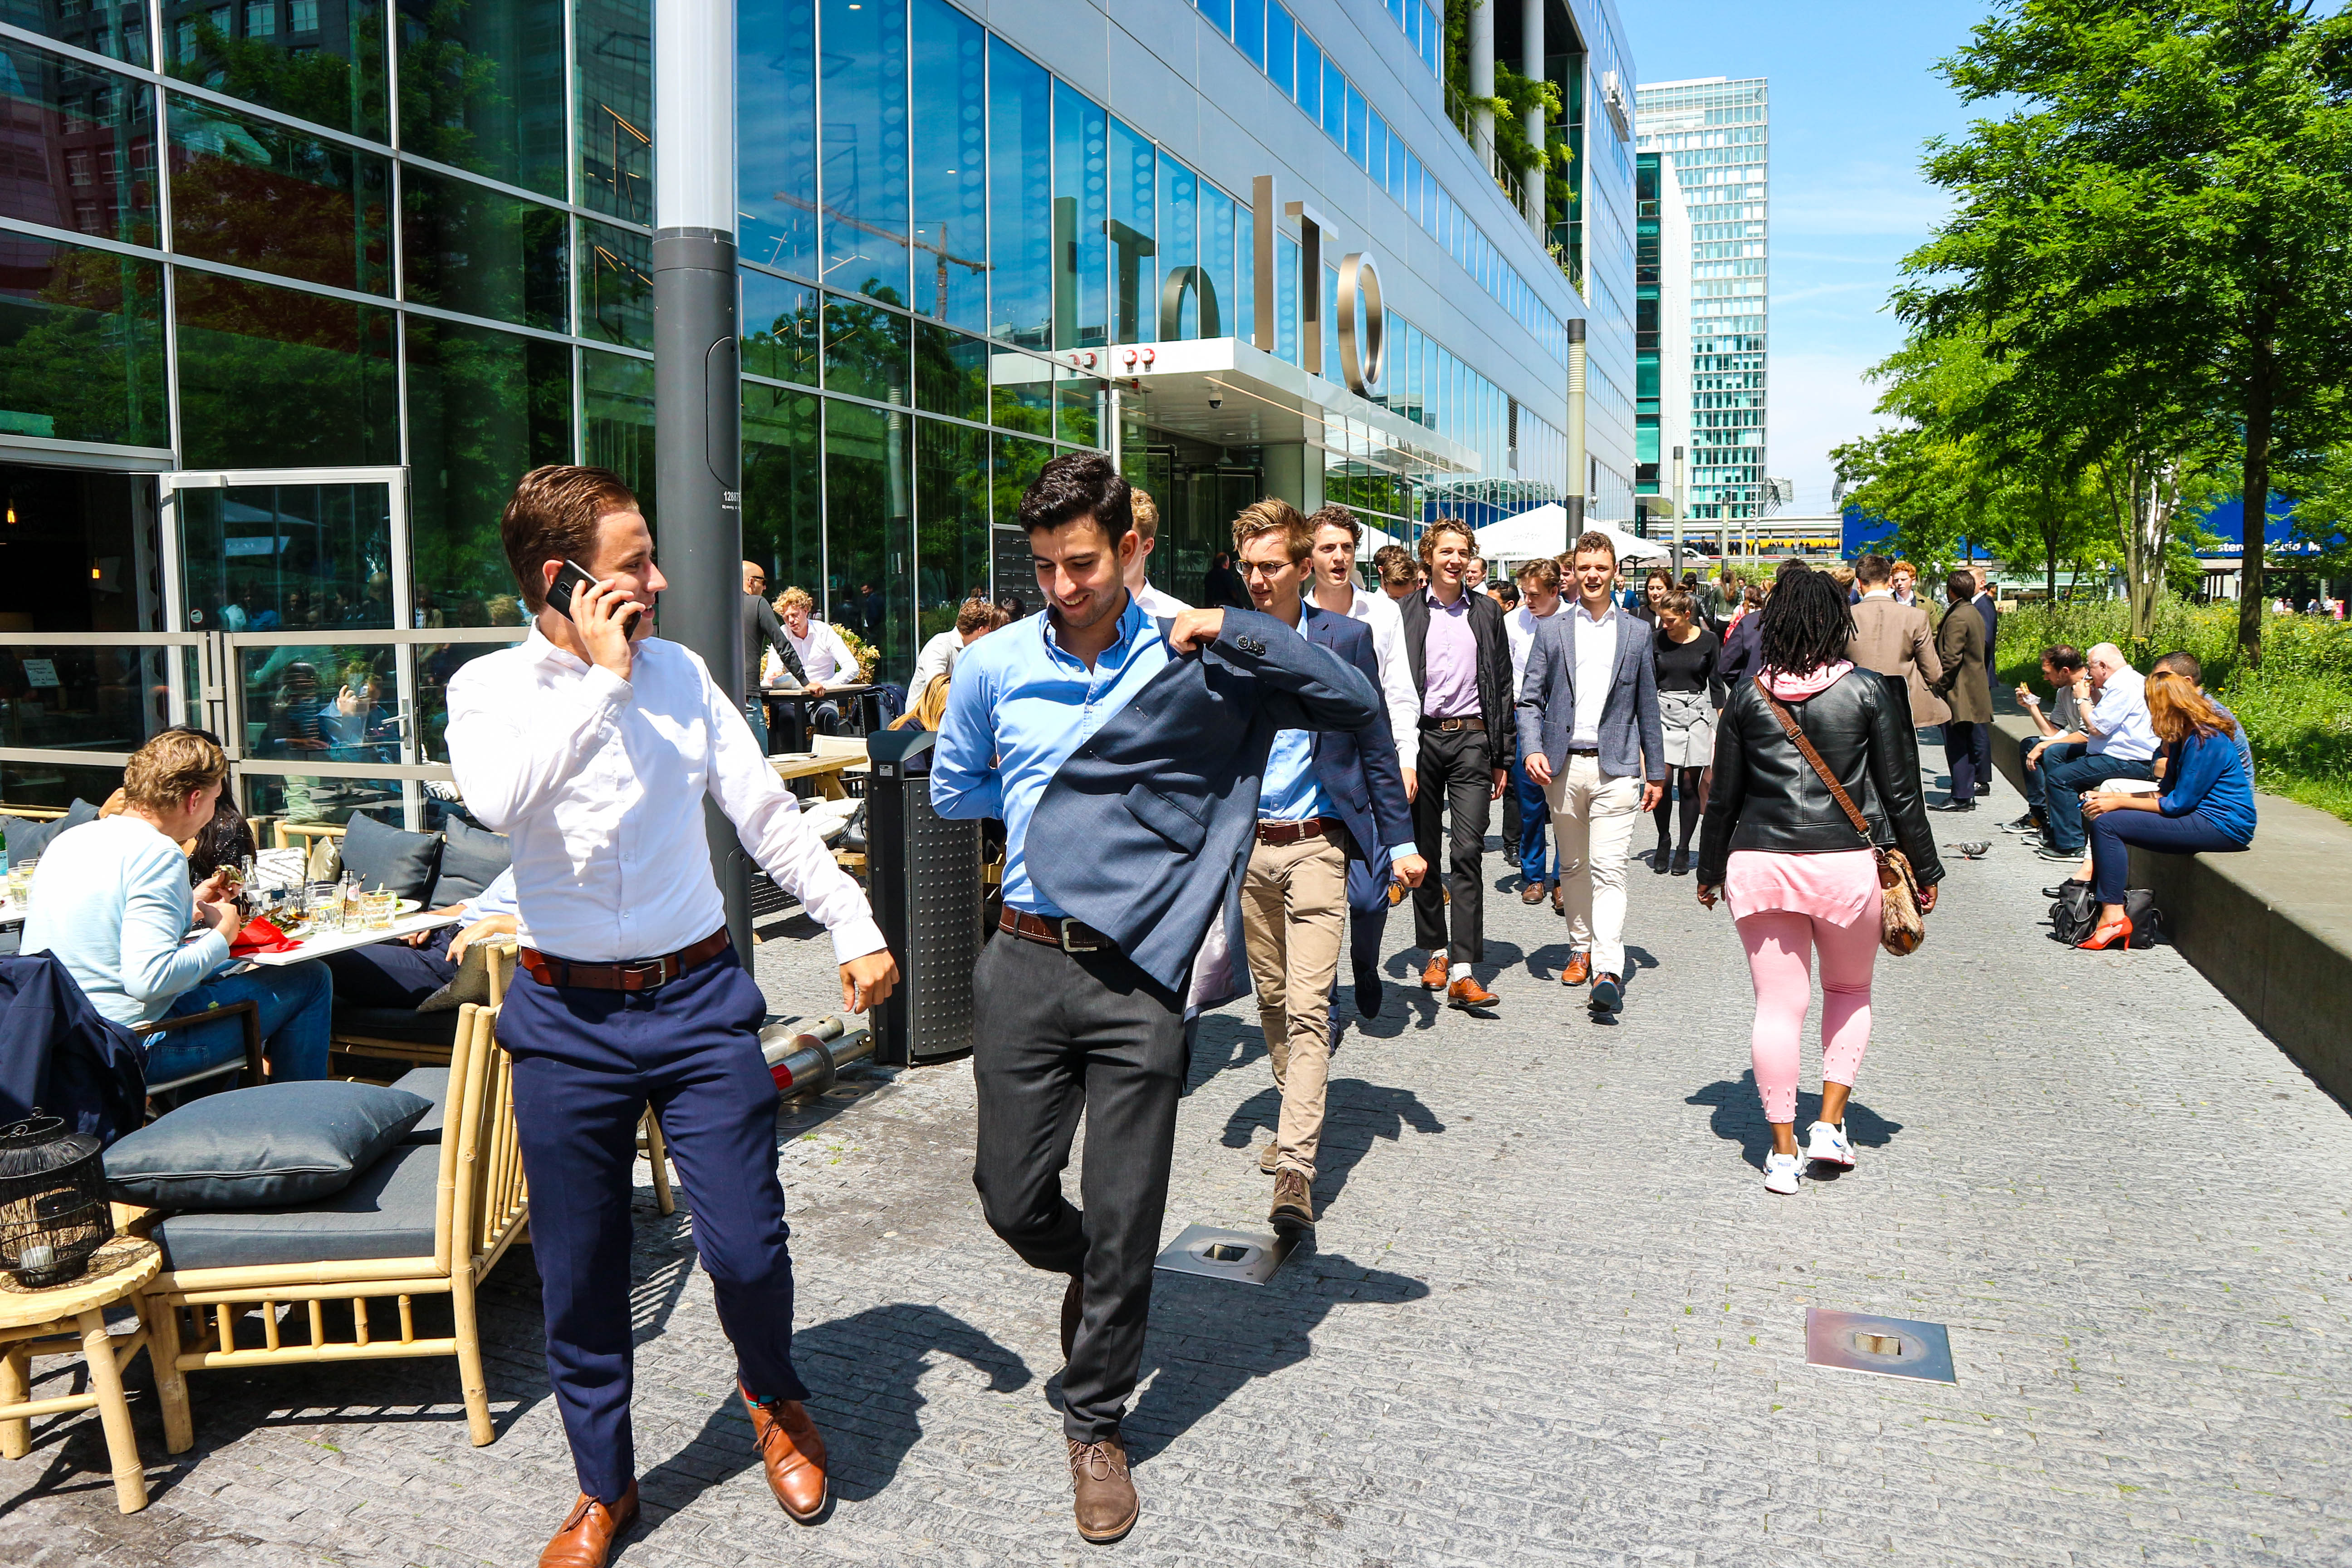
(409, 907)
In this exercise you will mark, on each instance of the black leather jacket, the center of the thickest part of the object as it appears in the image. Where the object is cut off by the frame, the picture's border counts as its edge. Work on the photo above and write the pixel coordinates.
(1767, 796)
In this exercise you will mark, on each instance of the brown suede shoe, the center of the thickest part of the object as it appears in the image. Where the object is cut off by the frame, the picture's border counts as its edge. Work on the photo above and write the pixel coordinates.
(1558, 906)
(1468, 992)
(1433, 972)
(1106, 1504)
(1074, 1306)
(589, 1531)
(793, 1451)
(1579, 970)
(1270, 1159)
(1531, 892)
(1293, 1204)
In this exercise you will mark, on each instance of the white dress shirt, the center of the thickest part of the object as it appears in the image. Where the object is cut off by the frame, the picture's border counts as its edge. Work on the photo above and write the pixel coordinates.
(2118, 724)
(1157, 605)
(823, 654)
(599, 782)
(1520, 626)
(1379, 612)
(938, 659)
(1596, 667)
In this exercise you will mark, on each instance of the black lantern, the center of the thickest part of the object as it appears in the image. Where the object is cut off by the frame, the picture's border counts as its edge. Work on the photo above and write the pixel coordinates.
(53, 1211)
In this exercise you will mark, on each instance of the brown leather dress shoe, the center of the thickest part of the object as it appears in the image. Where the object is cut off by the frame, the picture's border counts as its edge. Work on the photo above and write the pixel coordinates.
(589, 1531)
(1559, 904)
(1104, 1500)
(1270, 1159)
(1468, 992)
(1579, 970)
(793, 1451)
(1531, 892)
(1074, 1306)
(1433, 972)
(1293, 1204)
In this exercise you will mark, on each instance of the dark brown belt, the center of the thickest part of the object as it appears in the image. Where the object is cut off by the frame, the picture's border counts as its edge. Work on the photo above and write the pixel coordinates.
(1279, 833)
(1055, 931)
(1583, 751)
(636, 974)
(1448, 726)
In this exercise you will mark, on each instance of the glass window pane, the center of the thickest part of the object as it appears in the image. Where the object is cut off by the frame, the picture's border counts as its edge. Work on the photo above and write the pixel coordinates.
(865, 350)
(270, 377)
(471, 248)
(951, 541)
(1286, 298)
(116, 31)
(783, 496)
(1356, 127)
(1249, 30)
(617, 284)
(1135, 268)
(1078, 407)
(950, 372)
(864, 141)
(482, 89)
(1016, 462)
(1335, 102)
(1021, 392)
(1376, 152)
(289, 557)
(323, 702)
(951, 211)
(1081, 211)
(1220, 14)
(616, 399)
(1178, 221)
(1309, 85)
(1281, 46)
(780, 327)
(615, 88)
(98, 698)
(81, 344)
(324, 62)
(436, 664)
(485, 408)
(300, 798)
(257, 194)
(1020, 187)
(776, 99)
(869, 532)
(83, 145)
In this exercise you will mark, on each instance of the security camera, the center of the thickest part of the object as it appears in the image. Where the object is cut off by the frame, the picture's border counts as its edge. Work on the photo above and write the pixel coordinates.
(1216, 400)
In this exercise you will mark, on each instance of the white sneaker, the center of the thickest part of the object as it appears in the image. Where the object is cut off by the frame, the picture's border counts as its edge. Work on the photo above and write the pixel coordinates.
(1826, 1142)
(1781, 1174)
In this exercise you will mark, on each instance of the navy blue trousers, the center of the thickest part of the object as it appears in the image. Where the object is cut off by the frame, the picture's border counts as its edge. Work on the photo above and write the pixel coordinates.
(586, 1064)
(2114, 832)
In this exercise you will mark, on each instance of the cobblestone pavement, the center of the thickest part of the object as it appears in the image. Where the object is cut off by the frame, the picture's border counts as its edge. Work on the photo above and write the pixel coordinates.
(1552, 1317)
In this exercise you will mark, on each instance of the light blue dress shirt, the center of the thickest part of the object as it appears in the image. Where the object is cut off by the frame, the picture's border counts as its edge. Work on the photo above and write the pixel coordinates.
(1289, 791)
(1018, 706)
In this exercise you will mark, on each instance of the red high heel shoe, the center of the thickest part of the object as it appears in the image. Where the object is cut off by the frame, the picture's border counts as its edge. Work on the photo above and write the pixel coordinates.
(2116, 933)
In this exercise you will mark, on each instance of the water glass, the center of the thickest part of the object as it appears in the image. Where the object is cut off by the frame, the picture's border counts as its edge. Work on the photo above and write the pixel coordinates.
(382, 904)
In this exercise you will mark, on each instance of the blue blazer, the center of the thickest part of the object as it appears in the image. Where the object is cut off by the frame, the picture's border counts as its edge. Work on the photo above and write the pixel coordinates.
(1152, 818)
(1359, 768)
(1633, 743)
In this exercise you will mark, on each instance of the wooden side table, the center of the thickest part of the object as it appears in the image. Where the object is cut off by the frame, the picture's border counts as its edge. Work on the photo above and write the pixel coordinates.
(67, 1319)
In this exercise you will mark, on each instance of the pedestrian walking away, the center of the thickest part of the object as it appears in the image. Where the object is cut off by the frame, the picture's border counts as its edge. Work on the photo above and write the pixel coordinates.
(590, 744)
(1961, 644)
(1690, 692)
(1801, 878)
(1897, 641)
(1151, 807)
(1587, 717)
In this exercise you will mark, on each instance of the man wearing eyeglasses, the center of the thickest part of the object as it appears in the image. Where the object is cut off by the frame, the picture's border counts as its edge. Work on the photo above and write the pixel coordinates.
(760, 626)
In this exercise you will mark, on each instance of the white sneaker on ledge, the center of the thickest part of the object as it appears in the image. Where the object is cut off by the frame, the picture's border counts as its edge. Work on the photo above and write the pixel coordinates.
(1826, 1142)
(1781, 1174)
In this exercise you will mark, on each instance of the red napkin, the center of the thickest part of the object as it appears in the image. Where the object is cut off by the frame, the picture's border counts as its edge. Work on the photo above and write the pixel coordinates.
(260, 936)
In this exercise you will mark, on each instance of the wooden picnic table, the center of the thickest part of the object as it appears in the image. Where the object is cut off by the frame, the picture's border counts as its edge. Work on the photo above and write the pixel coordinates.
(824, 768)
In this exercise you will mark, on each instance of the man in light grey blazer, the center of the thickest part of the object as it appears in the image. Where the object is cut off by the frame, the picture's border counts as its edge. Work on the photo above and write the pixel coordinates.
(1588, 733)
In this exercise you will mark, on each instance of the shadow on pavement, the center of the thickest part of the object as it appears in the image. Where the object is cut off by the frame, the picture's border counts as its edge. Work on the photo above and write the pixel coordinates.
(1355, 1114)
(1740, 1119)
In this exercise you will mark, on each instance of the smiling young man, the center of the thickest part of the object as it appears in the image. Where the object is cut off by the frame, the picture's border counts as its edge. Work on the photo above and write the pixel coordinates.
(592, 744)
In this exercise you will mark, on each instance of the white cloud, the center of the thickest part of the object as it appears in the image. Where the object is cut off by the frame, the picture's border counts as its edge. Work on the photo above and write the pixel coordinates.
(1817, 401)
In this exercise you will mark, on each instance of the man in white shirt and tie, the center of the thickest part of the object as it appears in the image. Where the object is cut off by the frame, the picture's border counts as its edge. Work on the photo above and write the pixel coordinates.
(592, 746)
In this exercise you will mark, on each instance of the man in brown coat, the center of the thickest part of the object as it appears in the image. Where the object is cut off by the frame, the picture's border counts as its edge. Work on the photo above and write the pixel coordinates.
(1898, 640)
(1960, 644)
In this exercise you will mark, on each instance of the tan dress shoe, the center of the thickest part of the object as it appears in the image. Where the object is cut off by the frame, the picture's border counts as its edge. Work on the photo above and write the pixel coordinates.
(1531, 892)
(1105, 1499)
(1579, 970)
(792, 1450)
(1293, 1203)
(589, 1531)
(1433, 972)
(1270, 1159)
(1468, 992)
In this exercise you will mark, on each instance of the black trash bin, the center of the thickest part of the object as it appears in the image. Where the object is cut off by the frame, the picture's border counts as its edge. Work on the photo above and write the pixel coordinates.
(922, 874)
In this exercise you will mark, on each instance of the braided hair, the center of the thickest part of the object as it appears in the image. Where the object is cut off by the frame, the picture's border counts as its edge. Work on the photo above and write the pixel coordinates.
(1807, 623)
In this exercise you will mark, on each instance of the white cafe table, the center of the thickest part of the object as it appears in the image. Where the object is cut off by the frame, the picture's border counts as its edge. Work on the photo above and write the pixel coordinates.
(344, 941)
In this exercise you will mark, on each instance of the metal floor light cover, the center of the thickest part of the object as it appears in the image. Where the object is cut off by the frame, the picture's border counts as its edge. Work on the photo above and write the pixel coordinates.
(1240, 1255)
(1890, 1347)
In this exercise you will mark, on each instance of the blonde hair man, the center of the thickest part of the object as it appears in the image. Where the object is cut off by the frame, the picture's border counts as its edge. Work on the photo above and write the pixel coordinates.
(1157, 602)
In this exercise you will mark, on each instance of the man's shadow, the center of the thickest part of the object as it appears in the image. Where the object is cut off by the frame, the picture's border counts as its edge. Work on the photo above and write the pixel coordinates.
(1246, 1331)
(1740, 1119)
(1355, 1114)
(863, 1370)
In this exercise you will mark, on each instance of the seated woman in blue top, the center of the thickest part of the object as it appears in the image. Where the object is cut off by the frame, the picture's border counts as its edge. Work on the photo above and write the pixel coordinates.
(111, 901)
(2208, 803)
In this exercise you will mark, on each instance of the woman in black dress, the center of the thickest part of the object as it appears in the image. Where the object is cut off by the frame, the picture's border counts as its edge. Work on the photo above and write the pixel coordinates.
(1690, 691)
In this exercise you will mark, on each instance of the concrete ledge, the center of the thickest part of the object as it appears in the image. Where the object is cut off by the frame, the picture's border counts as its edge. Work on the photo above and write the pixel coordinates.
(2271, 927)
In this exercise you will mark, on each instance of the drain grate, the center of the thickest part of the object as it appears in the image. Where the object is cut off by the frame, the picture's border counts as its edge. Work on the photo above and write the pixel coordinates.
(1892, 1347)
(1239, 1255)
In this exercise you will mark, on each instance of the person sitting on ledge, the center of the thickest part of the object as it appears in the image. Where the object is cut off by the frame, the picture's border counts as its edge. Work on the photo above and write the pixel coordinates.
(2208, 803)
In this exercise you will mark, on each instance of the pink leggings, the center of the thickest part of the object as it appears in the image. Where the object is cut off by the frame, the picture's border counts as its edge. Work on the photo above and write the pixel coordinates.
(1781, 959)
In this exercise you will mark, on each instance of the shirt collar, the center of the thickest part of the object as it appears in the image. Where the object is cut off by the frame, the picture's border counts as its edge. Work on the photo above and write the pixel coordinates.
(1131, 621)
(543, 648)
(1880, 594)
(1600, 620)
(1461, 602)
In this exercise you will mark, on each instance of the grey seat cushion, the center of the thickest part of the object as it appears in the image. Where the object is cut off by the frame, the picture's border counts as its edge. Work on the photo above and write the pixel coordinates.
(387, 1211)
(470, 861)
(28, 837)
(431, 1084)
(384, 857)
(279, 1143)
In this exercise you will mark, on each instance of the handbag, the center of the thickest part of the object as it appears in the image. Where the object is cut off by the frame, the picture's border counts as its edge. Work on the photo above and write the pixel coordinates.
(1900, 928)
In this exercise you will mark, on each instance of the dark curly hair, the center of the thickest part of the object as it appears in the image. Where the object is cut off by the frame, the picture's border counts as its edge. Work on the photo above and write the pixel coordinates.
(1807, 623)
(1083, 484)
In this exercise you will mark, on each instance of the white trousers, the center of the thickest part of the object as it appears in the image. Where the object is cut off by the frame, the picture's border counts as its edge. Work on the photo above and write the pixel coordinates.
(1592, 817)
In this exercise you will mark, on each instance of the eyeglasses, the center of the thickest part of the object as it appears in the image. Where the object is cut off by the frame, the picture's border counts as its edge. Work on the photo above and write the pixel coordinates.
(1260, 569)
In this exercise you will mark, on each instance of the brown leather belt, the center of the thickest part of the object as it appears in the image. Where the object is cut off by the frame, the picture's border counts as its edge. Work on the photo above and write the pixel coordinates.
(1280, 833)
(1448, 726)
(1055, 930)
(1583, 751)
(638, 974)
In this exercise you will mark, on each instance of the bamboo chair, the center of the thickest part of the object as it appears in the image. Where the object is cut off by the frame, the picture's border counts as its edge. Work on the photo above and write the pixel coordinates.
(480, 1208)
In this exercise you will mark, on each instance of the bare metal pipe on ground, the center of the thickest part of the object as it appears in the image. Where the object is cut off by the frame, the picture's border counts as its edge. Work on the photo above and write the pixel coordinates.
(805, 1060)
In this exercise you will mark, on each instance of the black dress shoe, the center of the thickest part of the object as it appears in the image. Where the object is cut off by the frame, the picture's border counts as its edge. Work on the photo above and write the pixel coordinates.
(1660, 858)
(1682, 862)
(1369, 990)
(1954, 805)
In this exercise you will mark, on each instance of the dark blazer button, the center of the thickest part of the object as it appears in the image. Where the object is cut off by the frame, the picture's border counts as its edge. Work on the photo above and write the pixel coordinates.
(1249, 644)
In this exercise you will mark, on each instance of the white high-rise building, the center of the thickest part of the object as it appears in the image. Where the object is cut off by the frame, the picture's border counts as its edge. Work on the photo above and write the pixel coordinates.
(1708, 142)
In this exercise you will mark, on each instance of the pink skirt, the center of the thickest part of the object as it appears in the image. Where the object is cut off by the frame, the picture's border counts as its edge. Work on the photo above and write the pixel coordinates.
(1839, 887)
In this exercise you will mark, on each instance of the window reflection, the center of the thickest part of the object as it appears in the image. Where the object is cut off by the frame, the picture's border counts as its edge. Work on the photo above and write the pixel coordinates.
(950, 372)
(616, 395)
(273, 558)
(865, 350)
(780, 327)
(320, 703)
(783, 504)
(775, 97)
(950, 217)
(481, 89)
(864, 145)
(1021, 392)
(60, 698)
(617, 284)
(255, 194)
(321, 59)
(436, 663)
(1178, 222)
(1020, 187)
(615, 94)
(81, 145)
(868, 530)
(1134, 250)
(270, 377)
(1081, 218)
(299, 799)
(952, 534)
(471, 248)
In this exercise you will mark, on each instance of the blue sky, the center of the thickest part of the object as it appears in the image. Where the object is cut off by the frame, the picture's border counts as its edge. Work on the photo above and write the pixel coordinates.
(1853, 98)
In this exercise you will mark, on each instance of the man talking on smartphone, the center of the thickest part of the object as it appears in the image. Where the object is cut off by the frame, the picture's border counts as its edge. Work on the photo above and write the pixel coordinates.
(591, 743)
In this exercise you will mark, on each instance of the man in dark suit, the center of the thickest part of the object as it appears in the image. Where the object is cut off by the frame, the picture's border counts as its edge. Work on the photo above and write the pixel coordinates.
(1129, 754)
(1326, 799)
(1986, 608)
(1461, 663)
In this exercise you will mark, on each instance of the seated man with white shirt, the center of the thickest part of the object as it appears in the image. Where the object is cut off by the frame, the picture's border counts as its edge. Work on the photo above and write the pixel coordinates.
(822, 653)
(404, 974)
(2119, 743)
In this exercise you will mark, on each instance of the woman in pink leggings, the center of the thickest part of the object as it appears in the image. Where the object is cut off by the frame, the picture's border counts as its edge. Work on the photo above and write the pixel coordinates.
(1801, 877)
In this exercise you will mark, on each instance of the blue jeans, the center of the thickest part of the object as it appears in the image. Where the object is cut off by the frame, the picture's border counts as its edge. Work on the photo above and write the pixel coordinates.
(294, 1005)
(2114, 832)
(1535, 864)
(755, 708)
(2035, 785)
(2068, 768)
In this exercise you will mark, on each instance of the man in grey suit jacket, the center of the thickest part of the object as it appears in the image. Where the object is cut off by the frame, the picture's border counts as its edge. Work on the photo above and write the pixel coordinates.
(1124, 756)
(1589, 729)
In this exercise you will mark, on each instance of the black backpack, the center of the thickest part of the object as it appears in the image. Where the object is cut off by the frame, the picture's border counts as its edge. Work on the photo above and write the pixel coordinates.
(2075, 914)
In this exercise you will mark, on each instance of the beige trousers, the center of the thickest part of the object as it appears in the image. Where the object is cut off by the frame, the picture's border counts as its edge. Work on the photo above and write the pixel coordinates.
(1593, 816)
(1294, 921)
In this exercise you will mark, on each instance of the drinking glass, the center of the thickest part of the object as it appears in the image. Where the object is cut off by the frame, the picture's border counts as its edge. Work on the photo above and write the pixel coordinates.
(351, 911)
(380, 905)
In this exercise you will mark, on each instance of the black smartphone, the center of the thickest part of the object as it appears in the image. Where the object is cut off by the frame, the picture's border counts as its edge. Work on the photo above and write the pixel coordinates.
(569, 577)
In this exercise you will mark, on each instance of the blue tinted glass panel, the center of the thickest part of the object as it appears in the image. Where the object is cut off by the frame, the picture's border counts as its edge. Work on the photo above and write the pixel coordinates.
(482, 87)
(614, 94)
(1081, 212)
(1331, 323)
(1220, 13)
(81, 344)
(1020, 187)
(1281, 46)
(1249, 30)
(1216, 228)
(1178, 246)
(1397, 164)
(776, 99)
(862, 147)
(1308, 89)
(1134, 245)
(1286, 298)
(1244, 271)
(1356, 146)
(951, 166)
(1376, 149)
(780, 329)
(1335, 102)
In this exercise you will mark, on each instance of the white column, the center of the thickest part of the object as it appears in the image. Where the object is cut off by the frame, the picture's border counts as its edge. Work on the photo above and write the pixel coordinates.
(1531, 65)
(1482, 71)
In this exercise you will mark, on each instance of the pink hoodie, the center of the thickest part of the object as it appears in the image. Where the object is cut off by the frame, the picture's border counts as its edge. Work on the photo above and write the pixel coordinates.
(1797, 687)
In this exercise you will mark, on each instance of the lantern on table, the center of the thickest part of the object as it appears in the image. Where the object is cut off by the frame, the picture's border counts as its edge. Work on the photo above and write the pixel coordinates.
(53, 1211)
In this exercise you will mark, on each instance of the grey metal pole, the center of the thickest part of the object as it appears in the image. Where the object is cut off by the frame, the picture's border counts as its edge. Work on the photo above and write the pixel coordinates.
(698, 409)
(1678, 514)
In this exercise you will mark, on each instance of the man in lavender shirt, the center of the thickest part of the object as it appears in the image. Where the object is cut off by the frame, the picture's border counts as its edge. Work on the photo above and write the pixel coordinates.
(1460, 656)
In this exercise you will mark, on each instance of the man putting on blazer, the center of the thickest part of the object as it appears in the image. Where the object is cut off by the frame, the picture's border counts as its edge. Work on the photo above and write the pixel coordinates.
(1130, 752)
(1589, 729)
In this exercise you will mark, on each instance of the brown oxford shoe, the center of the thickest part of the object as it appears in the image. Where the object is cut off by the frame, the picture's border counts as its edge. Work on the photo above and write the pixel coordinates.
(588, 1533)
(1105, 1496)
(1293, 1204)
(1074, 1306)
(793, 1452)
(1558, 906)
(1433, 972)
(1468, 992)
(1579, 970)
(1531, 892)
